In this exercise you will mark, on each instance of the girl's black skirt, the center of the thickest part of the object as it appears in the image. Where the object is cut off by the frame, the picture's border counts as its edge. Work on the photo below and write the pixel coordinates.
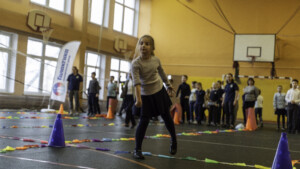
(156, 104)
(280, 112)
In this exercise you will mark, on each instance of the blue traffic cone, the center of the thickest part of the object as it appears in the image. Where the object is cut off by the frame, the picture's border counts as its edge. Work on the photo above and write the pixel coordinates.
(282, 159)
(57, 138)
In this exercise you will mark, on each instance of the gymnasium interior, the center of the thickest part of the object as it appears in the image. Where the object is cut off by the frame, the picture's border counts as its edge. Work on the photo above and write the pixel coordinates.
(203, 39)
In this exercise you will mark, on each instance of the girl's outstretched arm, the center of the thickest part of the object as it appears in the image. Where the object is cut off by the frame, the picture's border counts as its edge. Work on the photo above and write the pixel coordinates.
(138, 102)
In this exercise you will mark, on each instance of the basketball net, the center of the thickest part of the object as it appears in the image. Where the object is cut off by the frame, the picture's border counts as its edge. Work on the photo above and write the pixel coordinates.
(46, 32)
(252, 59)
(126, 53)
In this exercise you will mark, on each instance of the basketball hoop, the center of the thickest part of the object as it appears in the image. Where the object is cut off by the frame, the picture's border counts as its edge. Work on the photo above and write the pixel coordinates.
(126, 53)
(252, 58)
(40, 21)
(46, 32)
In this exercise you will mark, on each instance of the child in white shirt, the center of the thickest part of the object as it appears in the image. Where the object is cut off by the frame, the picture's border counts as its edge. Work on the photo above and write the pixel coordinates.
(192, 101)
(292, 97)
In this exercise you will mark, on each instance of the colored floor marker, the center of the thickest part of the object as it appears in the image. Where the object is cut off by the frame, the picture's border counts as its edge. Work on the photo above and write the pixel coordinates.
(102, 149)
(189, 158)
(8, 148)
(239, 164)
(147, 153)
(261, 167)
(76, 141)
(164, 156)
(21, 148)
(211, 161)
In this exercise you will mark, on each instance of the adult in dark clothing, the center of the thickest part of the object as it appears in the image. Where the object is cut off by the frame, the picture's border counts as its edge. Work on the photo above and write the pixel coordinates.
(230, 100)
(185, 92)
(74, 81)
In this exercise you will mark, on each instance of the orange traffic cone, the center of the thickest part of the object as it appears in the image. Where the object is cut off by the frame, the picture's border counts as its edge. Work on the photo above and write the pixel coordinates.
(110, 113)
(251, 121)
(61, 109)
(177, 114)
(176, 118)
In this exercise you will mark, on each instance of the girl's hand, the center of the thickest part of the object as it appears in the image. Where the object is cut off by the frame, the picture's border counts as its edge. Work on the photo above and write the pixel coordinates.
(138, 103)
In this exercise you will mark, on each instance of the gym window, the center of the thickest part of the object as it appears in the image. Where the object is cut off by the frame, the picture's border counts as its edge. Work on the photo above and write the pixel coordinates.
(119, 68)
(94, 62)
(41, 64)
(96, 11)
(8, 48)
(126, 16)
(59, 5)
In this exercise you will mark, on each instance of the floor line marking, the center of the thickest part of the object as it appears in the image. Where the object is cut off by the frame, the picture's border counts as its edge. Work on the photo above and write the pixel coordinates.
(141, 164)
(232, 145)
(46, 162)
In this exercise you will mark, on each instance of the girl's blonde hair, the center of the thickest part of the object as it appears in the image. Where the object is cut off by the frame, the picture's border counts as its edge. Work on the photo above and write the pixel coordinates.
(137, 47)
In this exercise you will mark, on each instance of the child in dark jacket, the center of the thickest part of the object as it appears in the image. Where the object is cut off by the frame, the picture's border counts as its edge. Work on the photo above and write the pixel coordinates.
(199, 105)
(93, 94)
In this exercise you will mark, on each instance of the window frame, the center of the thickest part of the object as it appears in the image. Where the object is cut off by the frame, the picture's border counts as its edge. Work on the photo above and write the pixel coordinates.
(67, 6)
(11, 61)
(135, 17)
(106, 6)
(100, 74)
(42, 59)
(119, 73)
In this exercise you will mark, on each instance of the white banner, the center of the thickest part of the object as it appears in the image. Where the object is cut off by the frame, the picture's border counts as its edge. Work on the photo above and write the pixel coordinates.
(63, 69)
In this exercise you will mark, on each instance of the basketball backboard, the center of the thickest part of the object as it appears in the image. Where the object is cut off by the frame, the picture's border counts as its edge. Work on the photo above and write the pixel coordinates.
(120, 44)
(38, 20)
(258, 46)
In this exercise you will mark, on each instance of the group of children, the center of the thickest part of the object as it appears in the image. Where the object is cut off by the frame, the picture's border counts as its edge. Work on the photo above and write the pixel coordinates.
(196, 101)
(222, 103)
(152, 99)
